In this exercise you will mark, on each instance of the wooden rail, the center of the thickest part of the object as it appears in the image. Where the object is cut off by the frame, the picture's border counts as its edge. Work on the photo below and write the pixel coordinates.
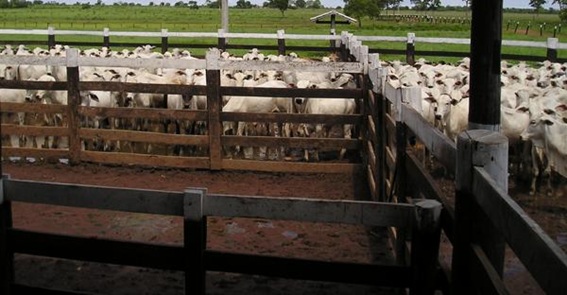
(194, 205)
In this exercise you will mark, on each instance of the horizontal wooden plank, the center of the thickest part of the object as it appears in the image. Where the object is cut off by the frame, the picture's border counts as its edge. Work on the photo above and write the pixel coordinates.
(33, 107)
(95, 249)
(543, 258)
(292, 92)
(95, 197)
(292, 66)
(145, 160)
(295, 167)
(35, 153)
(140, 136)
(301, 269)
(150, 113)
(23, 289)
(444, 149)
(143, 87)
(292, 142)
(311, 210)
(34, 130)
(18, 84)
(292, 118)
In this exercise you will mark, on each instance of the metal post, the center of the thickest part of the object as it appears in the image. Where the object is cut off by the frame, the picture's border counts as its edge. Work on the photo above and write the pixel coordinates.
(195, 240)
(50, 37)
(552, 49)
(222, 40)
(486, 43)
(281, 42)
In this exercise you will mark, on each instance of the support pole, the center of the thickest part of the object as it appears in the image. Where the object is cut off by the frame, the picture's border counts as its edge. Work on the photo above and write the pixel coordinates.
(73, 101)
(281, 42)
(194, 240)
(50, 37)
(164, 41)
(552, 49)
(410, 49)
(106, 37)
(6, 255)
(486, 43)
(224, 15)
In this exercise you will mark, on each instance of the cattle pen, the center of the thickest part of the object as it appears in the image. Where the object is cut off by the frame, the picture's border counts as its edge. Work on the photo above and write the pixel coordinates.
(386, 120)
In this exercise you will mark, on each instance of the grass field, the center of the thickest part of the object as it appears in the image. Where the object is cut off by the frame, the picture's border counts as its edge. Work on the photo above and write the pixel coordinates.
(183, 19)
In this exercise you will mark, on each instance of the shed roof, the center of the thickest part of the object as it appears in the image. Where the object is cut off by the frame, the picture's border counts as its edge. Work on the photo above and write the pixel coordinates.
(333, 12)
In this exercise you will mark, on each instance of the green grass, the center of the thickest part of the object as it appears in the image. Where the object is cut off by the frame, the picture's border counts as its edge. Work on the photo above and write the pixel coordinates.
(183, 19)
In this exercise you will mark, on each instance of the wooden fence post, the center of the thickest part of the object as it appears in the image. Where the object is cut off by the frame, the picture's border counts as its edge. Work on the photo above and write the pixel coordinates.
(73, 101)
(214, 106)
(488, 149)
(425, 241)
(222, 40)
(195, 240)
(106, 37)
(552, 49)
(410, 49)
(6, 255)
(281, 42)
(164, 41)
(50, 37)
(398, 183)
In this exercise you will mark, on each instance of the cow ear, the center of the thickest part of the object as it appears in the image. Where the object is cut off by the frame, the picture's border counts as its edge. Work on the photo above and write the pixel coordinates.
(549, 111)
(523, 109)
(561, 108)
(291, 85)
(454, 101)
(458, 83)
(430, 98)
(547, 122)
(564, 119)
(393, 77)
(93, 97)
(438, 75)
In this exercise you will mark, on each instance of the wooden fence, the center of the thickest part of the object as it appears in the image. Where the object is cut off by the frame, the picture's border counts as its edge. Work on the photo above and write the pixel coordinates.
(479, 224)
(483, 218)
(193, 257)
(337, 42)
(214, 141)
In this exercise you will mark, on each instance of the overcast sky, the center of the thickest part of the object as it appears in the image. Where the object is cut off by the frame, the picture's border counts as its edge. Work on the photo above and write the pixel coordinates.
(326, 3)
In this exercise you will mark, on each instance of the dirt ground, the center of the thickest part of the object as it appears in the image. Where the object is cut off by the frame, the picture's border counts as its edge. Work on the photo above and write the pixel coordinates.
(269, 237)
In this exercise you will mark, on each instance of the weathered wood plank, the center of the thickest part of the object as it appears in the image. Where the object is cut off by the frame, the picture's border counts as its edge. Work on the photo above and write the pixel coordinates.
(440, 145)
(292, 142)
(35, 153)
(311, 210)
(293, 66)
(34, 130)
(150, 113)
(145, 160)
(291, 118)
(95, 197)
(32, 107)
(294, 268)
(140, 136)
(297, 167)
(422, 180)
(485, 277)
(291, 92)
(538, 252)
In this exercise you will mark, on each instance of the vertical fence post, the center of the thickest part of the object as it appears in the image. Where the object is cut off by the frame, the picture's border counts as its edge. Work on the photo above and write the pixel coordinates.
(516, 28)
(344, 40)
(376, 75)
(477, 148)
(333, 44)
(164, 41)
(222, 40)
(398, 183)
(73, 101)
(50, 37)
(214, 105)
(195, 240)
(281, 42)
(6, 255)
(106, 37)
(425, 241)
(552, 49)
(410, 49)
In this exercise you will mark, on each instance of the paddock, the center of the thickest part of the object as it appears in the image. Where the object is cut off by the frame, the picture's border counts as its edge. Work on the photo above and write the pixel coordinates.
(385, 119)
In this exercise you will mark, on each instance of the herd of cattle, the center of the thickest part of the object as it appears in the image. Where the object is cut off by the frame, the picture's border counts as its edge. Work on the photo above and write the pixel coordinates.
(533, 109)
(253, 104)
(534, 101)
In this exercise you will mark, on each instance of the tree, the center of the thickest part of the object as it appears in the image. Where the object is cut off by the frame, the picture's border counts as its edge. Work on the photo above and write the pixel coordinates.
(212, 3)
(361, 8)
(314, 4)
(300, 3)
(282, 5)
(537, 5)
(244, 4)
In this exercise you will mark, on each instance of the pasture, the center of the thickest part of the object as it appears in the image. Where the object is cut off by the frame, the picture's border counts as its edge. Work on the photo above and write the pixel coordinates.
(294, 21)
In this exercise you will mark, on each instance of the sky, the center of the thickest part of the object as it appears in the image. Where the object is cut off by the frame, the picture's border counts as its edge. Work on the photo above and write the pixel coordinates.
(326, 3)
